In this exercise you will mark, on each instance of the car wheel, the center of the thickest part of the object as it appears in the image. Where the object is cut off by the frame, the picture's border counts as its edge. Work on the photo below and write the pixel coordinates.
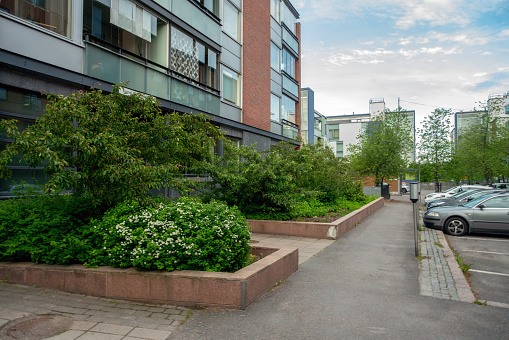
(456, 226)
(403, 190)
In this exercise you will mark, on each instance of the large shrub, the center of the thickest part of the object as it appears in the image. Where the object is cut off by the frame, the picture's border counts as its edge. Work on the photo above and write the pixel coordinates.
(187, 234)
(114, 146)
(279, 181)
(47, 229)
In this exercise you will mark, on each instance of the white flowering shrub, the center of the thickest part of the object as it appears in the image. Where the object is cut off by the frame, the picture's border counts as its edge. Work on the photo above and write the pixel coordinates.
(182, 235)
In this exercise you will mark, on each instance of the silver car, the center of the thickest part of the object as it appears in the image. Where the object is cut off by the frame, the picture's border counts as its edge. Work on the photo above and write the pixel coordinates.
(487, 214)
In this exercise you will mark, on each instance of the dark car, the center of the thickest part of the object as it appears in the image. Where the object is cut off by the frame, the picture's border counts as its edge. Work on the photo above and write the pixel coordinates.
(486, 214)
(462, 198)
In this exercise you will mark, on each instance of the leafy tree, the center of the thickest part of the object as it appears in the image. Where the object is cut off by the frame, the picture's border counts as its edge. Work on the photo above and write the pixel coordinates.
(115, 147)
(383, 147)
(435, 146)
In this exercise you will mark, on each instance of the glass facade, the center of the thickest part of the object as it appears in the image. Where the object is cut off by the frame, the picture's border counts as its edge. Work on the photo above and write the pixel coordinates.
(291, 41)
(274, 9)
(52, 15)
(25, 107)
(138, 33)
(288, 18)
(231, 22)
(288, 63)
(290, 86)
(275, 108)
(288, 109)
(231, 86)
(275, 53)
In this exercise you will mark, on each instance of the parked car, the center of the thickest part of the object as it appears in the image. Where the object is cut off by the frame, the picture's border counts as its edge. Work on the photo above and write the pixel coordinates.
(486, 214)
(462, 197)
(500, 185)
(405, 188)
(452, 191)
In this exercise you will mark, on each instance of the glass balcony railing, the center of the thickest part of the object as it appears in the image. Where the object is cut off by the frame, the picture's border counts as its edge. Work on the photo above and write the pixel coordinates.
(290, 86)
(290, 130)
(102, 64)
(291, 41)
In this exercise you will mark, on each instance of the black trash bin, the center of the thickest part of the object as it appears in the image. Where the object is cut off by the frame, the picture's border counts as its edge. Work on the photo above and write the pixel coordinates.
(386, 192)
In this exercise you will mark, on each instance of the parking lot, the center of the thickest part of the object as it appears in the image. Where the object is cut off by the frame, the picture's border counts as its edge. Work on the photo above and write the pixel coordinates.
(489, 259)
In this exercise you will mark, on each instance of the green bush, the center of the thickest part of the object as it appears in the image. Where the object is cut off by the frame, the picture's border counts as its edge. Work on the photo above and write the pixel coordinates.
(183, 235)
(47, 228)
(281, 181)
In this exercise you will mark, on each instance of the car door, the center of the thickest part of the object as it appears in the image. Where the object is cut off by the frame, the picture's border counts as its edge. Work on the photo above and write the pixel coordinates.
(492, 215)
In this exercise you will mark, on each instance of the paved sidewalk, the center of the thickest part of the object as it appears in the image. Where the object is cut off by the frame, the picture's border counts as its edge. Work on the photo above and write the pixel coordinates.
(308, 247)
(94, 318)
(101, 318)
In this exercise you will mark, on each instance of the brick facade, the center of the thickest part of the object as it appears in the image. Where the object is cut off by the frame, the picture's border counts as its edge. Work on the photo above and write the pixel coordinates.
(256, 64)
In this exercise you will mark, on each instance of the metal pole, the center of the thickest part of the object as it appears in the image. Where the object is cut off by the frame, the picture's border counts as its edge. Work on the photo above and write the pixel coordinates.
(416, 229)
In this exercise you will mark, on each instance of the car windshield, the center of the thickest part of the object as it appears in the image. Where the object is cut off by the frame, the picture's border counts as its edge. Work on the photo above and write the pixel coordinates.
(475, 201)
(462, 194)
(481, 194)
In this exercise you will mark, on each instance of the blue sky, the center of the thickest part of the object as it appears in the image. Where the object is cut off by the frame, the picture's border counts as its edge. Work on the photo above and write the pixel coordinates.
(445, 53)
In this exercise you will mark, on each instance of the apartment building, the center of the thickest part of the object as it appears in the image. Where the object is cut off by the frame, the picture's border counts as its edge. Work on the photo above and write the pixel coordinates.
(237, 61)
(343, 130)
(497, 104)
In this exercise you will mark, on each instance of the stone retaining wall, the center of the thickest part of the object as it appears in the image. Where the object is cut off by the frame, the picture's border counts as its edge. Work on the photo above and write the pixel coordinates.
(334, 230)
(190, 288)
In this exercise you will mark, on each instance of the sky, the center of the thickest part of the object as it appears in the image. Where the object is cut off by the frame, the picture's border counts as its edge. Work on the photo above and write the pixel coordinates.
(429, 53)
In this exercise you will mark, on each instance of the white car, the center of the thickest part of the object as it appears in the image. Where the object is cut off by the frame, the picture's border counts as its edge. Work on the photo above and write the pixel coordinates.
(405, 188)
(452, 191)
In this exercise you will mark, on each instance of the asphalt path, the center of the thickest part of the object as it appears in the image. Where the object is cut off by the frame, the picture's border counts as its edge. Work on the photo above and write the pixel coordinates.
(489, 259)
(365, 285)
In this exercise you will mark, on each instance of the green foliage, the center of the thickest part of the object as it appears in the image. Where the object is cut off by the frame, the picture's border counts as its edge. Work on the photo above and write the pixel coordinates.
(435, 147)
(47, 228)
(277, 181)
(115, 147)
(183, 235)
(481, 151)
(383, 147)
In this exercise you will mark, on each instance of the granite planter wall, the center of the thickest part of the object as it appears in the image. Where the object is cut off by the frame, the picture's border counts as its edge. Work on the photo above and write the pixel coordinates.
(333, 230)
(190, 288)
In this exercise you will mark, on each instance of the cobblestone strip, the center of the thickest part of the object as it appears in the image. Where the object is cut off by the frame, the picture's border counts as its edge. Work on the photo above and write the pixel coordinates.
(436, 278)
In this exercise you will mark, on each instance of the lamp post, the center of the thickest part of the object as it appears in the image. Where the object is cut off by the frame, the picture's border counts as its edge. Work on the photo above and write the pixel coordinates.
(414, 197)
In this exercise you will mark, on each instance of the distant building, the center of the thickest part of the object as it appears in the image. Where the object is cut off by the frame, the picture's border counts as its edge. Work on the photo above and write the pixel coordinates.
(313, 123)
(497, 104)
(343, 130)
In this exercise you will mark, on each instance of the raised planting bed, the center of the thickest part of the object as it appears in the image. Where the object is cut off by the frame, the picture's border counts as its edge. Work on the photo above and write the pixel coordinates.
(332, 231)
(189, 288)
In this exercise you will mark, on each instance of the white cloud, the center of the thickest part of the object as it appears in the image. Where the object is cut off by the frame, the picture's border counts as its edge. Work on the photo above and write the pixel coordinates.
(504, 33)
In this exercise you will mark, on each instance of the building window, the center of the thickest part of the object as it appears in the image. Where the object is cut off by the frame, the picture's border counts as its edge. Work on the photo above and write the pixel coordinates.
(211, 5)
(288, 63)
(274, 57)
(231, 86)
(339, 149)
(231, 20)
(122, 24)
(318, 123)
(192, 59)
(334, 132)
(275, 107)
(288, 109)
(274, 9)
(52, 15)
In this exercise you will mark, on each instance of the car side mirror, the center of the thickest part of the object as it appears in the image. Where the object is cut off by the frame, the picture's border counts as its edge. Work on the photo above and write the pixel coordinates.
(481, 206)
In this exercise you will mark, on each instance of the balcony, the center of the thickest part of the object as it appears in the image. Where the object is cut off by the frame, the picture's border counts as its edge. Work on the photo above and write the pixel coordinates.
(156, 80)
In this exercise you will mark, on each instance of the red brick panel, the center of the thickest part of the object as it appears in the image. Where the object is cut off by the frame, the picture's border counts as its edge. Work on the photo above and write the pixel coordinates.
(256, 64)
